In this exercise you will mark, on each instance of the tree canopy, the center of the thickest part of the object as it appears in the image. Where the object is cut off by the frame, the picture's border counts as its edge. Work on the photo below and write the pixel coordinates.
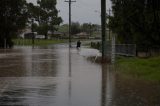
(16, 14)
(136, 21)
(46, 14)
(13, 17)
(89, 28)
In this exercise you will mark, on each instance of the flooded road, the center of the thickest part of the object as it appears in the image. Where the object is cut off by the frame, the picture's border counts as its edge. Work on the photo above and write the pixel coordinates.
(58, 76)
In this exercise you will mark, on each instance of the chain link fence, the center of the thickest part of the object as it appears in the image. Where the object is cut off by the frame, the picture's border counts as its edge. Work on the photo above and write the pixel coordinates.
(119, 49)
(125, 49)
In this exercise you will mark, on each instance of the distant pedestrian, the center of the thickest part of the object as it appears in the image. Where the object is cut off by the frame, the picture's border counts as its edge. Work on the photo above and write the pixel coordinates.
(78, 44)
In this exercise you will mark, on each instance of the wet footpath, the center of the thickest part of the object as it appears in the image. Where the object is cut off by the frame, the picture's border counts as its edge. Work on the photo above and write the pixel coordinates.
(58, 76)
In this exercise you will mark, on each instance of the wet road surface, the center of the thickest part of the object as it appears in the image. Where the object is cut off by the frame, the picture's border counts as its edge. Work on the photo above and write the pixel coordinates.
(58, 76)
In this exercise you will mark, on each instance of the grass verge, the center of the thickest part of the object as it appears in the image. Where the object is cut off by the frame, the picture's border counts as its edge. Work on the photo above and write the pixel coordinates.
(40, 42)
(146, 69)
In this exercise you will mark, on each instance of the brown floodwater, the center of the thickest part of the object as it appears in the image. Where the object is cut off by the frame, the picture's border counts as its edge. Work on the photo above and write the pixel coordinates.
(58, 76)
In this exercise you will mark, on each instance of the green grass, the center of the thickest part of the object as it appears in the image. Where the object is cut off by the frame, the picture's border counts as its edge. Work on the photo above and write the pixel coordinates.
(147, 69)
(40, 42)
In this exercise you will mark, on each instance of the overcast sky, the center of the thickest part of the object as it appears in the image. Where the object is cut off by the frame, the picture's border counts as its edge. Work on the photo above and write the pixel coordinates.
(83, 11)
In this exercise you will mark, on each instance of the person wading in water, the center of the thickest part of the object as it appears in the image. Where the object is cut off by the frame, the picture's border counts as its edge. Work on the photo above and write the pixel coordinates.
(78, 44)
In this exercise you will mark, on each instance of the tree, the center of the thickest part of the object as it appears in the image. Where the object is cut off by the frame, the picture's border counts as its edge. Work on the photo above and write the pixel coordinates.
(89, 28)
(136, 21)
(46, 14)
(75, 28)
(13, 17)
(63, 28)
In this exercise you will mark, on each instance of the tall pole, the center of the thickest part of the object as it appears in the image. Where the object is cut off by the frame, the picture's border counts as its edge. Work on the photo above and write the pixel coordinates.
(6, 23)
(103, 25)
(70, 21)
(109, 24)
(90, 29)
(33, 37)
(70, 68)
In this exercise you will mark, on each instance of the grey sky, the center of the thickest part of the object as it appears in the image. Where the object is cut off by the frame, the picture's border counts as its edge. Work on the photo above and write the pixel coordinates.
(83, 11)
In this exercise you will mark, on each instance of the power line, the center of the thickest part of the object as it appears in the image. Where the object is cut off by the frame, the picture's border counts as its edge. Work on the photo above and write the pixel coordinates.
(69, 2)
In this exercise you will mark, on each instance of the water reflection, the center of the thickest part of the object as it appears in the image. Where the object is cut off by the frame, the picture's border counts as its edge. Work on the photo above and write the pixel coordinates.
(26, 91)
(28, 61)
(135, 92)
(108, 84)
(58, 76)
(118, 90)
(70, 62)
(11, 60)
(70, 75)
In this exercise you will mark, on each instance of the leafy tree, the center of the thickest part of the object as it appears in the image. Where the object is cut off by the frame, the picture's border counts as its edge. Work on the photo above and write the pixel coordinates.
(75, 28)
(13, 17)
(89, 28)
(136, 21)
(63, 28)
(46, 14)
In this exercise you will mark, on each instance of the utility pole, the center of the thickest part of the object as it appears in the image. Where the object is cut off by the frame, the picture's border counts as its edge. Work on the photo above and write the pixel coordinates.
(33, 37)
(70, 1)
(103, 25)
(90, 29)
(109, 24)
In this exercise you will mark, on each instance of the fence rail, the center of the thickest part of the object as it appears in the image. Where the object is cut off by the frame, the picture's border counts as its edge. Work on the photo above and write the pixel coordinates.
(125, 49)
(117, 49)
(120, 49)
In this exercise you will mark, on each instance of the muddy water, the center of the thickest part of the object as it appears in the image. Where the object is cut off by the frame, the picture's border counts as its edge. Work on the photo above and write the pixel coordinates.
(58, 76)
